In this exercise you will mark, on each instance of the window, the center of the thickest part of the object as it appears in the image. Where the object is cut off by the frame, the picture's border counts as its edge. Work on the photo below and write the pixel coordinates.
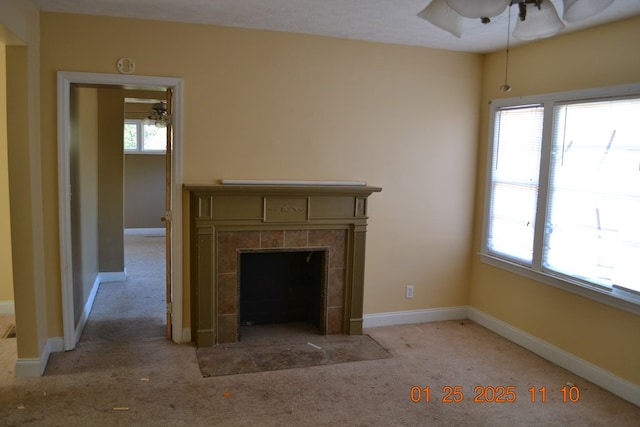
(514, 184)
(140, 137)
(563, 201)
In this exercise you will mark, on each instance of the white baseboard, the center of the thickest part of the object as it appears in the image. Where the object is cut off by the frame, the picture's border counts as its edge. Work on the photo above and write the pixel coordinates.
(26, 367)
(29, 367)
(118, 276)
(56, 344)
(587, 370)
(7, 308)
(186, 335)
(605, 379)
(34, 367)
(87, 309)
(146, 231)
(414, 316)
(112, 276)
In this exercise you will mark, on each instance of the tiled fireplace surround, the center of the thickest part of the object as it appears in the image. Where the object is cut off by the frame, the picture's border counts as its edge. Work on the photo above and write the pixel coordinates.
(229, 219)
(231, 243)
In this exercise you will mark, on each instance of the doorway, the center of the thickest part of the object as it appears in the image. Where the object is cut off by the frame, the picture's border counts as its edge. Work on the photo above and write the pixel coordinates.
(143, 297)
(77, 302)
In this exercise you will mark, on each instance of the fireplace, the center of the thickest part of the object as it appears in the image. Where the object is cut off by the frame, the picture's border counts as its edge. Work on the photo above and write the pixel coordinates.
(232, 246)
(234, 226)
(283, 286)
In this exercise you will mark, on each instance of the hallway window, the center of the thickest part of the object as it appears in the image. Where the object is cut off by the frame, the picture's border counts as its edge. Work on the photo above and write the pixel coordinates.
(140, 137)
(563, 203)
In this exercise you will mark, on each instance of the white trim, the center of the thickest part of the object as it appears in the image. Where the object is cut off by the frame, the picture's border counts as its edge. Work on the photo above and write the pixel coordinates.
(146, 231)
(34, 367)
(65, 79)
(612, 296)
(186, 335)
(55, 345)
(116, 276)
(414, 316)
(7, 308)
(29, 367)
(605, 379)
(291, 182)
(145, 153)
(568, 96)
(64, 209)
(87, 309)
(587, 370)
(112, 276)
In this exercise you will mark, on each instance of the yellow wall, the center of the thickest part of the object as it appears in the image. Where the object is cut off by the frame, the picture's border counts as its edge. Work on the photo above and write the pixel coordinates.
(259, 104)
(6, 268)
(20, 25)
(600, 334)
(267, 105)
(83, 180)
(110, 188)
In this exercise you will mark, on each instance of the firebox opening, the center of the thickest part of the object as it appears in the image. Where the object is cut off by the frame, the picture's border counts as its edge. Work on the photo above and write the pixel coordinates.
(283, 286)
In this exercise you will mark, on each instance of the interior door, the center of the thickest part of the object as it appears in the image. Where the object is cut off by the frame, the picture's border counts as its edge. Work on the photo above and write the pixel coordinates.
(167, 218)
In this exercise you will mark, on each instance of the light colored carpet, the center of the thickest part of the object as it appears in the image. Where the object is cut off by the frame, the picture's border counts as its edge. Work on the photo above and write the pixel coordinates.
(7, 327)
(7, 348)
(144, 380)
(133, 310)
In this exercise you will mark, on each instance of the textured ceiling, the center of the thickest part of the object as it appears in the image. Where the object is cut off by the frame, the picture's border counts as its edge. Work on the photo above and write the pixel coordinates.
(389, 21)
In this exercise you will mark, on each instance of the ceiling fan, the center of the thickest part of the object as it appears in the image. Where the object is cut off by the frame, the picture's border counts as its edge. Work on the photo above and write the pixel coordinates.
(537, 18)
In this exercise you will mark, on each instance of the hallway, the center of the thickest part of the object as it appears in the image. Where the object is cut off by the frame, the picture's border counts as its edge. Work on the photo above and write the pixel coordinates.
(125, 315)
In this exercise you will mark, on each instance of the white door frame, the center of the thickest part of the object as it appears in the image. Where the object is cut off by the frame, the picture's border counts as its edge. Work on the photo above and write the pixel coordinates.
(65, 80)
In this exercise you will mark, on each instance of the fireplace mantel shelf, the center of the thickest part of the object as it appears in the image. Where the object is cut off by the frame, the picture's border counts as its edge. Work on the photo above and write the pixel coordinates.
(267, 189)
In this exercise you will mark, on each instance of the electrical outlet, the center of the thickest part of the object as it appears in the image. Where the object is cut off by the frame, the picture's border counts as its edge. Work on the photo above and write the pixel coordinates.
(409, 292)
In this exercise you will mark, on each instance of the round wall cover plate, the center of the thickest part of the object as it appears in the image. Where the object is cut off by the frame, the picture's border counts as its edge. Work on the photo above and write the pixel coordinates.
(126, 65)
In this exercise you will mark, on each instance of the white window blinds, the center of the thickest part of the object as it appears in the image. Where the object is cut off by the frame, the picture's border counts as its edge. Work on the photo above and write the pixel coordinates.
(514, 182)
(593, 216)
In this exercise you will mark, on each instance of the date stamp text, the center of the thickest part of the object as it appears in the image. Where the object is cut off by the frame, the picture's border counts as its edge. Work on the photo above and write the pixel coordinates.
(493, 394)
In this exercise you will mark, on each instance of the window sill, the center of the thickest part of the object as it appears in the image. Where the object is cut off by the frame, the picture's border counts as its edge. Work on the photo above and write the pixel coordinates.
(618, 298)
(148, 152)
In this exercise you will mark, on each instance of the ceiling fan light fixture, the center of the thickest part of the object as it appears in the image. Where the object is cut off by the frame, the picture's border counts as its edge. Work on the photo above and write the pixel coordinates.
(577, 10)
(539, 23)
(479, 8)
(442, 16)
(159, 115)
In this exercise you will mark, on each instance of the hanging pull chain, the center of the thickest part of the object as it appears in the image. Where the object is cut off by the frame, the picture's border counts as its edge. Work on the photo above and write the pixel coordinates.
(505, 87)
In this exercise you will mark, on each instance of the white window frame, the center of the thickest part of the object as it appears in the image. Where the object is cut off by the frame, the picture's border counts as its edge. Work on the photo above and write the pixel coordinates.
(140, 135)
(616, 297)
